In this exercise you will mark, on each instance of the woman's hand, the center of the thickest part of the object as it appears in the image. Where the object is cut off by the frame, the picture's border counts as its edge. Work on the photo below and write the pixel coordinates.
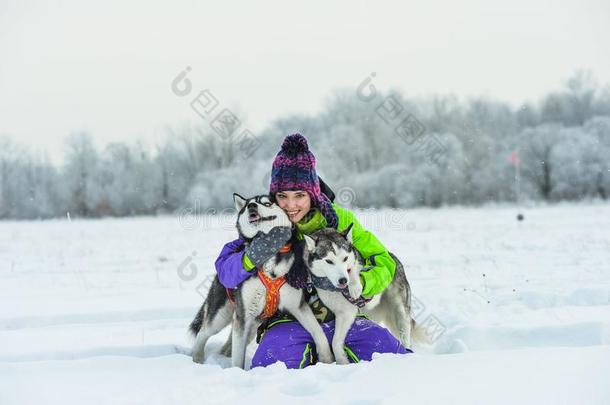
(265, 245)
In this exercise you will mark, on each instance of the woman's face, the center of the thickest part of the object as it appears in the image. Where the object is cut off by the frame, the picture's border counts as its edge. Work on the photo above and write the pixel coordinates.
(294, 203)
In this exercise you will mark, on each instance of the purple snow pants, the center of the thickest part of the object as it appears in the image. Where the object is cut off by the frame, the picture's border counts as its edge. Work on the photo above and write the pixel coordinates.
(291, 344)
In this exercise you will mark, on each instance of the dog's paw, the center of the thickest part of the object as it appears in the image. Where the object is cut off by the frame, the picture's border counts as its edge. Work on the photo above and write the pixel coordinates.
(197, 356)
(326, 357)
(355, 289)
(342, 359)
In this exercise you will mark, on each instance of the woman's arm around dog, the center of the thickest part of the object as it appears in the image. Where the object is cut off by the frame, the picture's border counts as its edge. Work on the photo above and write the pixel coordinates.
(232, 264)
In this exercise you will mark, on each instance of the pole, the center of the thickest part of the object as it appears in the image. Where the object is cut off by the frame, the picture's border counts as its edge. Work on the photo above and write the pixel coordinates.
(520, 216)
(518, 182)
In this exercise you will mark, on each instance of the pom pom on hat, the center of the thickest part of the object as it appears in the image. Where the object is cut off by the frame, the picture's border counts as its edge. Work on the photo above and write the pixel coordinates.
(294, 145)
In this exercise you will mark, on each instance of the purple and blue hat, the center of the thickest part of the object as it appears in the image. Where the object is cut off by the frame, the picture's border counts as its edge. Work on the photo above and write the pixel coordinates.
(294, 168)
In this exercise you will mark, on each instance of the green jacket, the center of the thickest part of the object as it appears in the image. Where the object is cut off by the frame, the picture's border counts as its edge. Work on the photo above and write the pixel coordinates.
(377, 257)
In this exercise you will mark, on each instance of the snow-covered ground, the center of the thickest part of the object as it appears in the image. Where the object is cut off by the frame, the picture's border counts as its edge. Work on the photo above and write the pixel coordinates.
(96, 311)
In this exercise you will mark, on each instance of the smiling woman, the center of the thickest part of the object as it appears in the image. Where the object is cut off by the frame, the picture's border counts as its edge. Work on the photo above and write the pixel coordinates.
(296, 188)
(295, 203)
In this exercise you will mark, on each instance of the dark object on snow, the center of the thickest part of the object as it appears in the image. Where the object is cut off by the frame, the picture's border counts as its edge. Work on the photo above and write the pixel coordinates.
(520, 217)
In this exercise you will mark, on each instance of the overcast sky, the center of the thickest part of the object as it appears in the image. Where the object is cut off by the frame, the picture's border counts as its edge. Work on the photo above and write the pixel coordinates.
(106, 67)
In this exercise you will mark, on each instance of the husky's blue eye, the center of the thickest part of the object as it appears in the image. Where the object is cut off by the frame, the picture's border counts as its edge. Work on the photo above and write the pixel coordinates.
(329, 261)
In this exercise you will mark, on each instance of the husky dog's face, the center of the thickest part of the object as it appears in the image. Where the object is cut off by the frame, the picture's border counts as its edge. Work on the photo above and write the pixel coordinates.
(258, 214)
(331, 254)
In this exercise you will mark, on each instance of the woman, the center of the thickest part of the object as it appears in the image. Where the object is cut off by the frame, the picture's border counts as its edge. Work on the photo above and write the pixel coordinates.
(295, 187)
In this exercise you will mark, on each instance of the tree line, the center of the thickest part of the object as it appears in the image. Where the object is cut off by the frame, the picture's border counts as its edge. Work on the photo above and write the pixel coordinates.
(395, 151)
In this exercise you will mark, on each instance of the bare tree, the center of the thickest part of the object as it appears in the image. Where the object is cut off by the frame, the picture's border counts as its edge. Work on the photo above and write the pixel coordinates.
(81, 159)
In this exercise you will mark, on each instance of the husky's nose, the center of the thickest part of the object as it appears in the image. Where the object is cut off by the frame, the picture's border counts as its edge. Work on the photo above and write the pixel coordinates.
(252, 206)
(343, 280)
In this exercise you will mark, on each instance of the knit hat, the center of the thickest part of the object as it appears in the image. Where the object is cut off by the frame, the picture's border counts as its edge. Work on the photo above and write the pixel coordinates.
(294, 168)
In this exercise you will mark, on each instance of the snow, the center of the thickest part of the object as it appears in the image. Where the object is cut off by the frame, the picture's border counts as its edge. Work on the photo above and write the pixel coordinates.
(519, 312)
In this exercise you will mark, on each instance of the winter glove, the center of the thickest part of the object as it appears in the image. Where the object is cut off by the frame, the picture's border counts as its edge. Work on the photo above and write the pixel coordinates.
(264, 246)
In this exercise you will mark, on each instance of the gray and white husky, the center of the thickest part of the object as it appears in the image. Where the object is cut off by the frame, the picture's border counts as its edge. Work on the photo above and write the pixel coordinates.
(335, 266)
(258, 214)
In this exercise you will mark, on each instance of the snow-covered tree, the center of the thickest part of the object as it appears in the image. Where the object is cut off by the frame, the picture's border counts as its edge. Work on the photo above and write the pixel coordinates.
(537, 145)
(79, 174)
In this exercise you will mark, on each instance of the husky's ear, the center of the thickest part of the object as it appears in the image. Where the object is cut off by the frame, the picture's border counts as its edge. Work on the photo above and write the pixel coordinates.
(347, 233)
(239, 201)
(310, 243)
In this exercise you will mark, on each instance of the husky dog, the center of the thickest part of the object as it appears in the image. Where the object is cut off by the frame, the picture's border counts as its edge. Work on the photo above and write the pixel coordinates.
(256, 216)
(335, 267)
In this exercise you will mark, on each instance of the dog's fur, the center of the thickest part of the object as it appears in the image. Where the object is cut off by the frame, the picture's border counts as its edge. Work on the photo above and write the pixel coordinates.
(217, 311)
(331, 254)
